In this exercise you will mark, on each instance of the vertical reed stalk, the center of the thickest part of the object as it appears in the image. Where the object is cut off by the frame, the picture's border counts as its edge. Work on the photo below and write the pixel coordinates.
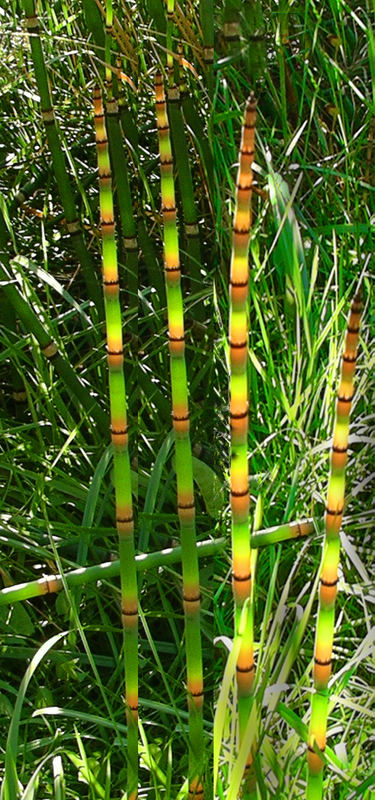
(58, 158)
(119, 434)
(239, 410)
(331, 556)
(184, 469)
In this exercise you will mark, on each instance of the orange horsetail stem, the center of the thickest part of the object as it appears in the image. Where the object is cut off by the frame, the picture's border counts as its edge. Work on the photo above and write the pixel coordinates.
(331, 555)
(239, 410)
(184, 467)
(119, 435)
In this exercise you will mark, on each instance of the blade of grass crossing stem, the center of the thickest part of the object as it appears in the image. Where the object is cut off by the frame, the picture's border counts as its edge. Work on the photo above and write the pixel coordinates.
(58, 158)
(331, 555)
(119, 435)
(239, 411)
(184, 466)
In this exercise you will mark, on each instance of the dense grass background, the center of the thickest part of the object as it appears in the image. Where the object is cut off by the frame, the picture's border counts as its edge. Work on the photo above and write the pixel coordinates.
(313, 69)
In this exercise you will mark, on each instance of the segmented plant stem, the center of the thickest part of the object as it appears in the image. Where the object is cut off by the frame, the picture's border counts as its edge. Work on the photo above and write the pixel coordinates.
(119, 435)
(184, 468)
(58, 158)
(331, 555)
(239, 411)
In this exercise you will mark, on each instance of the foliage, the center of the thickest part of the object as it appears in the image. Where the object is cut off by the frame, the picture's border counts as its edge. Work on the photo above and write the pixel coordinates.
(312, 69)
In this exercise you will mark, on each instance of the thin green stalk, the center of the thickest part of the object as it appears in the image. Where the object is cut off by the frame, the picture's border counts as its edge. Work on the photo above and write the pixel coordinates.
(239, 411)
(144, 562)
(184, 466)
(124, 199)
(189, 211)
(58, 158)
(206, 13)
(50, 584)
(330, 561)
(119, 435)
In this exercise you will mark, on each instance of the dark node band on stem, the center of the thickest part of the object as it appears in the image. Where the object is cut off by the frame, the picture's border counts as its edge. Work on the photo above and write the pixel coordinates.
(349, 359)
(329, 583)
(186, 505)
(197, 694)
(241, 231)
(130, 518)
(240, 578)
(172, 269)
(239, 494)
(247, 187)
(165, 162)
(120, 431)
(240, 415)
(339, 449)
(195, 599)
(334, 512)
(129, 613)
(238, 284)
(112, 283)
(323, 663)
(238, 345)
(245, 669)
(176, 418)
(175, 338)
(343, 399)
(108, 223)
(353, 329)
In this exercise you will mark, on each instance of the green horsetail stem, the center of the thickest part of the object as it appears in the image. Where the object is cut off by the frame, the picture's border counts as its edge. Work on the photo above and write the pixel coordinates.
(119, 435)
(331, 555)
(160, 558)
(239, 412)
(50, 584)
(58, 159)
(184, 466)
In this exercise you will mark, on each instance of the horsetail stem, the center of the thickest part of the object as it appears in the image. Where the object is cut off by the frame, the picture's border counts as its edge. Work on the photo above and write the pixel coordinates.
(108, 43)
(331, 555)
(160, 558)
(58, 159)
(169, 42)
(119, 435)
(239, 410)
(184, 467)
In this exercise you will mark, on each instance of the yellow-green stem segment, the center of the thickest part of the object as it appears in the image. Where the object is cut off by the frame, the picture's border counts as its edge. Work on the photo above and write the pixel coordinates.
(184, 467)
(239, 410)
(331, 555)
(119, 435)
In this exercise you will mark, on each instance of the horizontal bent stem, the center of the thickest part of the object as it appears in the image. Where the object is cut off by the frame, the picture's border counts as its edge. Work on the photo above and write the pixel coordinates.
(110, 569)
(161, 558)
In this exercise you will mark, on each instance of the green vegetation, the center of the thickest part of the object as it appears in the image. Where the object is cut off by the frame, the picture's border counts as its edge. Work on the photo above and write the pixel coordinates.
(89, 616)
